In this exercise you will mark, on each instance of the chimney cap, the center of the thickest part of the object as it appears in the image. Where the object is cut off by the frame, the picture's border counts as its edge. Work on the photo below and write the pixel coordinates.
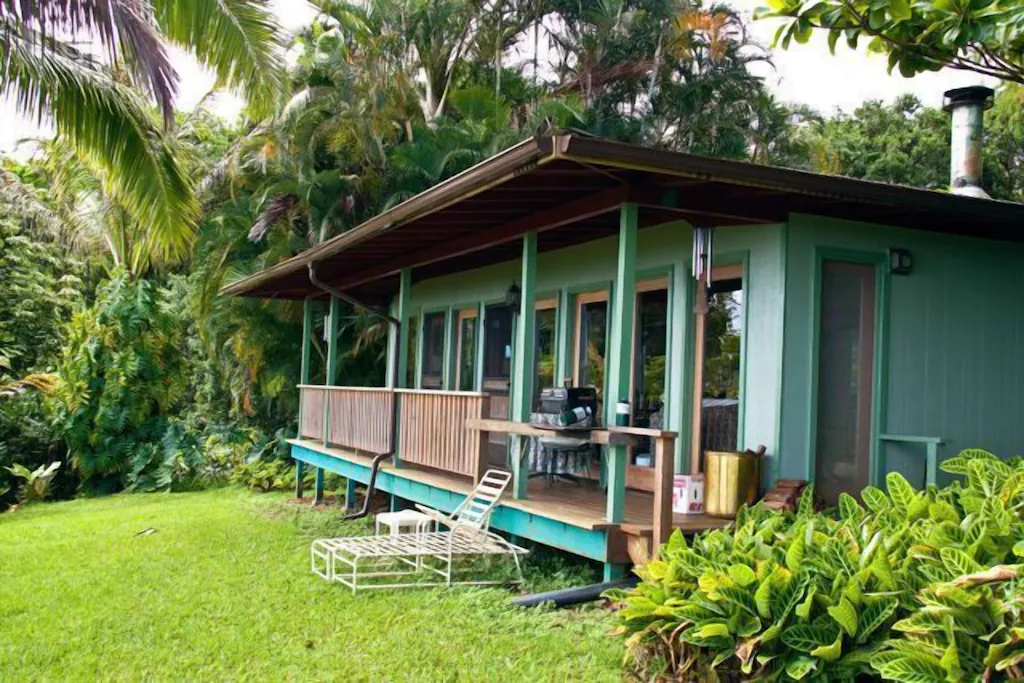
(972, 94)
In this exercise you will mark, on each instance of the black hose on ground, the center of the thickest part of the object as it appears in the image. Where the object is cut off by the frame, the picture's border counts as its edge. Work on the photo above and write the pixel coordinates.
(574, 596)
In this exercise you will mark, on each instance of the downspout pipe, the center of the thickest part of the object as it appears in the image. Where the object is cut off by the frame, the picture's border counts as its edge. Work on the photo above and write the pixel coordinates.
(396, 326)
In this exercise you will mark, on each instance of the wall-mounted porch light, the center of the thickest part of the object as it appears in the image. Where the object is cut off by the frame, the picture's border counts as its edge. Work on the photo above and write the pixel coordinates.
(513, 296)
(900, 262)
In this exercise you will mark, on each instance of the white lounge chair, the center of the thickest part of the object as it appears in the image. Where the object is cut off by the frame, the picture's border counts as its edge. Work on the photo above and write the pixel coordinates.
(369, 562)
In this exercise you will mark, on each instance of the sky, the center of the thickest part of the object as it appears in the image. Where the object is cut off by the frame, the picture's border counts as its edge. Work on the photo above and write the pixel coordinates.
(806, 74)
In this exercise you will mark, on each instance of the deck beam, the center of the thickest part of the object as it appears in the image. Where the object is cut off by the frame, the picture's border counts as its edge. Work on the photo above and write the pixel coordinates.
(620, 354)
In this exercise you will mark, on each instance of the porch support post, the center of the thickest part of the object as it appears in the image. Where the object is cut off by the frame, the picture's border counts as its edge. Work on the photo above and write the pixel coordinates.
(448, 364)
(620, 355)
(563, 346)
(300, 472)
(700, 316)
(330, 377)
(523, 363)
(350, 494)
(399, 346)
(307, 345)
(318, 488)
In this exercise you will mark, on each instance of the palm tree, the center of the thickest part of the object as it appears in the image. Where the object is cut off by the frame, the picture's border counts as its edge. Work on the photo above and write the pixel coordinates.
(93, 100)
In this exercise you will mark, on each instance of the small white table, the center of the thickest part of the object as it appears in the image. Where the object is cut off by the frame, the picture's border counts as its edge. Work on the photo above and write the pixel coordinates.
(405, 521)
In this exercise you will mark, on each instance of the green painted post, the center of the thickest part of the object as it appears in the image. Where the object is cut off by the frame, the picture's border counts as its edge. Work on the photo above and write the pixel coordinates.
(402, 349)
(448, 372)
(679, 368)
(523, 361)
(307, 346)
(330, 377)
(350, 494)
(318, 489)
(481, 327)
(417, 372)
(620, 354)
(563, 337)
(613, 572)
(931, 462)
(400, 342)
(300, 471)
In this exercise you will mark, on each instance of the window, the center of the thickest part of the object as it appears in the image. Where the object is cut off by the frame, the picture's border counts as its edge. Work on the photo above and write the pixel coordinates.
(649, 357)
(498, 343)
(465, 351)
(432, 373)
(723, 329)
(591, 341)
(546, 322)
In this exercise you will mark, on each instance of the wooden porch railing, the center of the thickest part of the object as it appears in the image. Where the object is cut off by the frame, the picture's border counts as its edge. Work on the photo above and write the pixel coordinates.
(432, 430)
(358, 417)
(311, 411)
(431, 425)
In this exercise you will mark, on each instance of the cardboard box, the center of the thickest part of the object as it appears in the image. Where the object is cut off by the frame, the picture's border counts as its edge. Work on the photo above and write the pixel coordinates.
(688, 494)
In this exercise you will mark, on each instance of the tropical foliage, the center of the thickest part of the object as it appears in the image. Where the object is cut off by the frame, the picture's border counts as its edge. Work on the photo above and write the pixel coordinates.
(905, 584)
(117, 235)
(983, 36)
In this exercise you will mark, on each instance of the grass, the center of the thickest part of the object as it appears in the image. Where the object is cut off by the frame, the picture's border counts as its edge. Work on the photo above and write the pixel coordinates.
(222, 590)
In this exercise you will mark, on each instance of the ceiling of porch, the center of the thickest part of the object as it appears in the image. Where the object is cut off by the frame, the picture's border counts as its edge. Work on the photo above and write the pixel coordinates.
(569, 189)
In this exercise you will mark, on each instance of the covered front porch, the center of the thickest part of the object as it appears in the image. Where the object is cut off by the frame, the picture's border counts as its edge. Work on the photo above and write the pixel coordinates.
(443, 446)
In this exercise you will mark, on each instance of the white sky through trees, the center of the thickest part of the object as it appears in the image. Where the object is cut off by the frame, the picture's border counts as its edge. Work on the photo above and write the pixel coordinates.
(805, 74)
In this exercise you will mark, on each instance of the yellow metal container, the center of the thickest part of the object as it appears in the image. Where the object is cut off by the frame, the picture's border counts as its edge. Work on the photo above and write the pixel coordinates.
(731, 481)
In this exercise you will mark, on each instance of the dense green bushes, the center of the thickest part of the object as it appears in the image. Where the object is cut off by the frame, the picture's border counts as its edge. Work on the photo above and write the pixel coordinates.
(897, 588)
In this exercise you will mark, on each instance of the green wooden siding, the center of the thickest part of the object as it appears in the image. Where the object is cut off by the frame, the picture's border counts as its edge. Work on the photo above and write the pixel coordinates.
(953, 334)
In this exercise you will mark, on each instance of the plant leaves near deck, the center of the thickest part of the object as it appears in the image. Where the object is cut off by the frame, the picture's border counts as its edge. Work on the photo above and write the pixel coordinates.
(797, 667)
(900, 490)
(805, 638)
(845, 614)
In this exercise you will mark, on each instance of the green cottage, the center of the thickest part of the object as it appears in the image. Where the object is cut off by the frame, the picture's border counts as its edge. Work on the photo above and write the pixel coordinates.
(879, 328)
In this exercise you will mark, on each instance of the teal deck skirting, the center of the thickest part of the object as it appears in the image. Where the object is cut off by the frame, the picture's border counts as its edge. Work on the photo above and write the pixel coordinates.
(589, 543)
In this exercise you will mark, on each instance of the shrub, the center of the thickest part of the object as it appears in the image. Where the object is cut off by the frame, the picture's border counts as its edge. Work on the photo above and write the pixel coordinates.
(824, 596)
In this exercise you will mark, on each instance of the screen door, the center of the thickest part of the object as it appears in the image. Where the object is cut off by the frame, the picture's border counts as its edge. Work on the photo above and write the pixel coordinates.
(846, 365)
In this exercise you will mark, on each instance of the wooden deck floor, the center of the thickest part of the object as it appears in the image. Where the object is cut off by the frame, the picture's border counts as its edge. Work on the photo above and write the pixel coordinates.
(581, 505)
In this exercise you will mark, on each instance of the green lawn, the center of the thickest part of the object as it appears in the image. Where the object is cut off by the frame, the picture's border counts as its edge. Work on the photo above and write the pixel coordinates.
(222, 590)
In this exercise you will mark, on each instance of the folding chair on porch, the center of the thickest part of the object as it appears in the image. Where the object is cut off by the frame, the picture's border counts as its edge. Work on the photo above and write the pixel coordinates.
(369, 562)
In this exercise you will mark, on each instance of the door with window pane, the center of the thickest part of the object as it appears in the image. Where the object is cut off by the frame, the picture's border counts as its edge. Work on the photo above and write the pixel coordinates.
(846, 368)
(498, 373)
(431, 374)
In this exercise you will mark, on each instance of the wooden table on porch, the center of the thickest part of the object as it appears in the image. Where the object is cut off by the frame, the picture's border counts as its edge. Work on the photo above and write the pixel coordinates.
(664, 467)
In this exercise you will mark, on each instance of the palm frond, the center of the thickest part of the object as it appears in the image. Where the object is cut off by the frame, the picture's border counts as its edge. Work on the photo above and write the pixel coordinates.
(122, 25)
(39, 381)
(273, 212)
(239, 40)
(111, 131)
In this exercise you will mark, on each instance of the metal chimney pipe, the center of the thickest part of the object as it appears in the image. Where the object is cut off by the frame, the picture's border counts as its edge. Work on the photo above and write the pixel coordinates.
(967, 106)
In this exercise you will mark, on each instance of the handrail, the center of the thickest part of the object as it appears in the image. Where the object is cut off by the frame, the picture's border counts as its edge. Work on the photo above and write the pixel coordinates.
(605, 437)
(338, 386)
(931, 444)
(441, 392)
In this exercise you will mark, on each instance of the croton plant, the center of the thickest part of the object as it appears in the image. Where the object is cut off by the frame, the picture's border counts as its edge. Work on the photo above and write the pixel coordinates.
(907, 585)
